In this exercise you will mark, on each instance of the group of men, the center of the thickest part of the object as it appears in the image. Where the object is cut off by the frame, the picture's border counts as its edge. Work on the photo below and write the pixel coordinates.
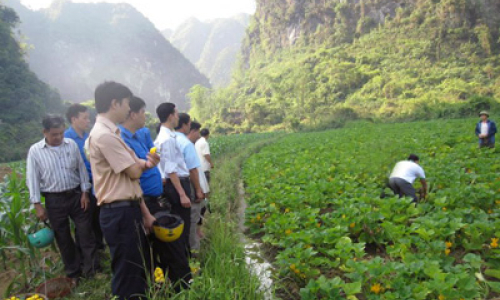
(112, 185)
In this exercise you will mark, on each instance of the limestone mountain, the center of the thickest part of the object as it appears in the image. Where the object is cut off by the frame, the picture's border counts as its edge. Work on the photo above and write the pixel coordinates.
(212, 46)
(76, 46)
(307, 63)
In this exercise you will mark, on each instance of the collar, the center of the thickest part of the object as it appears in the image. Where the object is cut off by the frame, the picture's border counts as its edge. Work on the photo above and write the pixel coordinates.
(127, 133)
(75, 134)
(107, 122)
(45, 145)
(167, 131)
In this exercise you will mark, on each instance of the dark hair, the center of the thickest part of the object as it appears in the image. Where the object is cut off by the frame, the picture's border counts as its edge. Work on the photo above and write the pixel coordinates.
(195, 126)
(52, 121)
(184, 118)
(74, 110)
(413, 157)
(136, 104)
(158, 127)
(204, 132)
(106, 92)
(164, 110)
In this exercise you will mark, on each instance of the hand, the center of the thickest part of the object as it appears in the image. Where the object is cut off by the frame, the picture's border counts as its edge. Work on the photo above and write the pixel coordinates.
(148, 222)
(84, 201)
(199, 196)
(41, 213)
(152, 160)
(211, 166)
(185, 201)
(482, 136)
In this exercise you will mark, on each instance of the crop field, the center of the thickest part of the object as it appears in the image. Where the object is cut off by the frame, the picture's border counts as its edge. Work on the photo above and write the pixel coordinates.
(315, 199)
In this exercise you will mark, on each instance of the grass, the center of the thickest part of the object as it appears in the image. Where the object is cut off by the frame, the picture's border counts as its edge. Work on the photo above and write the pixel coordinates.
(224, 273)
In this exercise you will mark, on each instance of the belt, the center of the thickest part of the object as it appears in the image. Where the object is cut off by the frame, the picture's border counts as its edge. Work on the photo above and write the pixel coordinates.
(180, 179)
(63, 193)
(150, 198)
(122, 203)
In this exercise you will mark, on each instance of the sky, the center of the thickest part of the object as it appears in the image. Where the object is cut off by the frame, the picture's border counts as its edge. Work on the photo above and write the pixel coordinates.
(171, 13)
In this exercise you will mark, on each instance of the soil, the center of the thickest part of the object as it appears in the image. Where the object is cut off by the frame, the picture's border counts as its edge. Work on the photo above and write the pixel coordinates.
(4, 170)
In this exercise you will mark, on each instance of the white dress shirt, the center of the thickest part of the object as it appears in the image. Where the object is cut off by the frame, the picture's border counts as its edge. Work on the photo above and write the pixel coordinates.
(171, 158)
(408, 171)
(202, 149)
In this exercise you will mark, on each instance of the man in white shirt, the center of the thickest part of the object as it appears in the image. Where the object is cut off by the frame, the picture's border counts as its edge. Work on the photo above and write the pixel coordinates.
(173, 168)
(203, 150)
(404, 174)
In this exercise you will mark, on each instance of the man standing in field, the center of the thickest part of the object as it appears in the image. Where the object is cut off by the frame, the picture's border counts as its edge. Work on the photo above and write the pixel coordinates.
(203, 150)
(171, 256)
(79, 118)
(404, 174)
(56, 170)
(116, 170)
(173, 168)
(485, 130)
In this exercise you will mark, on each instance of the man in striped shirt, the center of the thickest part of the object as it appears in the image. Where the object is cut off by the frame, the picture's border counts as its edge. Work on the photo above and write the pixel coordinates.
(56, 170)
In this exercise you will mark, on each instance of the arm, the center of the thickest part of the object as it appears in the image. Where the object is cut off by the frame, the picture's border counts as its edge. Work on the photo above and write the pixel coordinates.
(477, 130)
(33, 182)
(185, 201)
(148, 219)
(493, 129)
(424, 186)
(195, 180)
(84, 179)
(209, 159)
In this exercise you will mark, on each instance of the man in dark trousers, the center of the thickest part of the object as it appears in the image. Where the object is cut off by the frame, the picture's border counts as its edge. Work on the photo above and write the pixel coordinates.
(171, 256)
(116, 171)
(404, 174)
(173, 168)
(56, 170)
(79, 118)
(486, 130)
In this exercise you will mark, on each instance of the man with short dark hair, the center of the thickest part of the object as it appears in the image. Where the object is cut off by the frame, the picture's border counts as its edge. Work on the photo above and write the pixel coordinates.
(173, 167)
(486, 130)
(116, 170)
(171, 256)
(404, 174)
(56, 170)
(79, 119)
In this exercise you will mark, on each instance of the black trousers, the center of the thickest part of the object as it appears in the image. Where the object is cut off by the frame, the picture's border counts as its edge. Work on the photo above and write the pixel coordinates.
(402, 188)
(171, 257)
(60, 208)
(175, 201)
(96, 225)
(204, 209)
(130, 260)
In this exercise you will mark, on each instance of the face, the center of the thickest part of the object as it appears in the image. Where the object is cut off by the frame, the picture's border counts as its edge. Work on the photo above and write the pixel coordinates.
(194, 135)
(484, 117)
(139, 118)
(82, 121)
(121, 109)
(174, 118)
(54, 136)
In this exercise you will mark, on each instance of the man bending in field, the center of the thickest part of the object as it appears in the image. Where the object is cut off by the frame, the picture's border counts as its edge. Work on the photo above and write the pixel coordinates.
(404, 174)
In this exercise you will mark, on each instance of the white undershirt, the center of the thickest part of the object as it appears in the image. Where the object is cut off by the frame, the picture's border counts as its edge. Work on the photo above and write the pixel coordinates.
(484, 128)
(408, 171)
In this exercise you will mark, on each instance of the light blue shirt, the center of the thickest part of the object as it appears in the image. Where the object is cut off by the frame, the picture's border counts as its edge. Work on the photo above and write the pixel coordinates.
(171, 158)
(188, 151)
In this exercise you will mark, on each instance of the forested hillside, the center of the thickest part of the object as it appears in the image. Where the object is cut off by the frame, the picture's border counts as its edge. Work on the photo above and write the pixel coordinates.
(212, 46)
(76, 46)
(24, 99)
(319, 63)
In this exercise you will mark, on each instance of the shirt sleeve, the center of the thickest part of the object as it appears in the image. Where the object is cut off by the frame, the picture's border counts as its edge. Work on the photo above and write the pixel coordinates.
(167, 155)
(116, 153)
(191, 158)
(82, 168)
(32, 178)
(420, 172)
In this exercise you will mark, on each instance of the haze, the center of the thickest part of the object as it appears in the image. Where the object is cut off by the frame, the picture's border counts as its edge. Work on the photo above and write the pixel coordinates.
(170, 13)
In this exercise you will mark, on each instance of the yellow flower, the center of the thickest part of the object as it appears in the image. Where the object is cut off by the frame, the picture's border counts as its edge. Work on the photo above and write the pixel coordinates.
(352, 225)
(273, 204)
(497, 201)
(288, 231)
(376, 288)
(448, 244)
(447, 251)
(287, 210)
(444, 208)
(494, 242)
(159, 276)
(343, 216)
(441, 297)
(297, 271)
(292, 266)
(318, 225)
(258, 217)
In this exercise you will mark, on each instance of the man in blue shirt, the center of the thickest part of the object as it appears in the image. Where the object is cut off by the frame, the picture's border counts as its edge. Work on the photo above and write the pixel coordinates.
(486, 130)
(171, 257)
(79, 118)
(192, 163)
